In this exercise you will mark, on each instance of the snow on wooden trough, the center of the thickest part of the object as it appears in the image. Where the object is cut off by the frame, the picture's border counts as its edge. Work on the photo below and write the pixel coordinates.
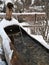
(11, 54)
(12, 57)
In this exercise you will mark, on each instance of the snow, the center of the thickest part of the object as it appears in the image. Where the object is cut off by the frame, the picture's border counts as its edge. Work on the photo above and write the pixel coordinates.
(48, 22)
(25, 24)
(6, 43)
(6, 1)
(38, 8)
(6, 39)
(20, 1)
(41, 40)
(2, 62)
(32, 2)
(33, 13)
(8, 23)
(1, 51)
(1, 6)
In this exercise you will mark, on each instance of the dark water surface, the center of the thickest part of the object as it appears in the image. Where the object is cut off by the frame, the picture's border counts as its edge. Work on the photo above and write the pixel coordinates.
(32, 51)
